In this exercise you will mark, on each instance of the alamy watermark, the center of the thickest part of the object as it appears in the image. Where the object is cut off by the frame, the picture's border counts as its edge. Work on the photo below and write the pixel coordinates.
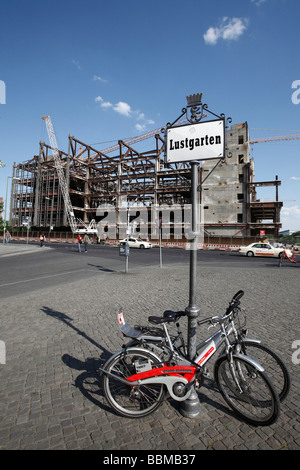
(173, 221)
(2, 352)
(296, 93)
(2, 92)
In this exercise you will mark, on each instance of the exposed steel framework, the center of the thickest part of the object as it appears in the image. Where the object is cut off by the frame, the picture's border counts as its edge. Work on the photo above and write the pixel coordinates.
(95, 178)
(108, 176)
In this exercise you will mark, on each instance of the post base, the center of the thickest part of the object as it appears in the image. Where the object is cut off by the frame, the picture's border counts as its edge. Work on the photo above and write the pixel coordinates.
(190, 408)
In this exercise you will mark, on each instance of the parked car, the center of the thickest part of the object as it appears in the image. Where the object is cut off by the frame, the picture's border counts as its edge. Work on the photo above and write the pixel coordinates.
(264, 249)
(136, 243)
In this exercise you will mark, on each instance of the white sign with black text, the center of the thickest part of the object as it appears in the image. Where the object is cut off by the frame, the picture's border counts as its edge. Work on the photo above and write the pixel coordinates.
(201, 141)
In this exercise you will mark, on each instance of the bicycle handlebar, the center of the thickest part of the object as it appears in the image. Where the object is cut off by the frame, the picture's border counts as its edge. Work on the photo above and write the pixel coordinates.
(171, 316)
(235, 302)
(238, 296)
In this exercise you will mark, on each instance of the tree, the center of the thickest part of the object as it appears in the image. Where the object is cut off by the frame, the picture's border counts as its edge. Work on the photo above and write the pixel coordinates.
(1, 164)
(291, 239)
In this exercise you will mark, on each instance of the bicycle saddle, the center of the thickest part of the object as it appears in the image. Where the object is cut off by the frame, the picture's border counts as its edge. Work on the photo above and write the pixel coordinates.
(169, 317)
(172, 314)
(158, 320)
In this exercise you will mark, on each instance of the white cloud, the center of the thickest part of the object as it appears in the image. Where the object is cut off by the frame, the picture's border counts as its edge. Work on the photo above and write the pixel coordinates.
(99, 79)
(125, 109)
(122, 108)
(230, 29)
(211, 36)
(106, 104)
(234, 29)
(140, 127)
(77, 64)
(296, 178)
(290, 218)
(258, 2)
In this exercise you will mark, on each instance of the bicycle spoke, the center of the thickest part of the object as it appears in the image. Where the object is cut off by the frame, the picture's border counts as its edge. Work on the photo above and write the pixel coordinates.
(247, 390)
(131, 400)
(273, 365)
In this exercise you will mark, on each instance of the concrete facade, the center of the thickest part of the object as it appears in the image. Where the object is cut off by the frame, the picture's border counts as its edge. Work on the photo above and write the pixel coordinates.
(229, 194)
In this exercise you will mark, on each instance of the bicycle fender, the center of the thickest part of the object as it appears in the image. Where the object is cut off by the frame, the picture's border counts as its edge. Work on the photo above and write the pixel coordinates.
(250, 340)
(135, 348)
(123, 350)
(247, 359)
(251, 361)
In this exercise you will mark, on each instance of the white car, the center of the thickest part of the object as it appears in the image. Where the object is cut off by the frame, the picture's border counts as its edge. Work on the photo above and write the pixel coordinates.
(264, 249)
(136, 243)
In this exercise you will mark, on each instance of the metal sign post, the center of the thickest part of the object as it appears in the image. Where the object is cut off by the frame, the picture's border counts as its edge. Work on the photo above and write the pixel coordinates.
(194, 142)
(190, 408)
(26, 224)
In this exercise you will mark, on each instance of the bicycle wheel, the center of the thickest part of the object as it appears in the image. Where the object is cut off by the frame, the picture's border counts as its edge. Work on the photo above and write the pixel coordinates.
(127, 400)
(273, 365)
(247, 390)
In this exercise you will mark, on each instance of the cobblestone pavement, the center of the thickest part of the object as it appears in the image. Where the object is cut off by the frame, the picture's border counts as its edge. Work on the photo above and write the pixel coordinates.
(56, 339)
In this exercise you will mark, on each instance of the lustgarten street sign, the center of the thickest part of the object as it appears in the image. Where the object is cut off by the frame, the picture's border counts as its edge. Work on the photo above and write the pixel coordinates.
(201, 141)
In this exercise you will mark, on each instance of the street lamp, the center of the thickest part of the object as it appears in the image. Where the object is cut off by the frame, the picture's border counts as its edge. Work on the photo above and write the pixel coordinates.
(5, 209)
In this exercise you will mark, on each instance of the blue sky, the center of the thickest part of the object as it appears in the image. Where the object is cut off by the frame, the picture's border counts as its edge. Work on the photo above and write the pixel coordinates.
(105, 71)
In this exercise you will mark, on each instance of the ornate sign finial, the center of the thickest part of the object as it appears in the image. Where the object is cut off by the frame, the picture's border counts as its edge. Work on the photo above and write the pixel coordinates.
(195, 99)
(196, 108)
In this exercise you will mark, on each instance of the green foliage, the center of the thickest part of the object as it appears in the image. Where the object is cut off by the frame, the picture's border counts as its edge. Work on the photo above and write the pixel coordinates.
(293, 239)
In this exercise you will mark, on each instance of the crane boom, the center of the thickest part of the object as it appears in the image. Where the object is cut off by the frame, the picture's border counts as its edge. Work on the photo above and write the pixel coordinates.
(61, 175)
(276, 138)
(139, 138)
(149, 134)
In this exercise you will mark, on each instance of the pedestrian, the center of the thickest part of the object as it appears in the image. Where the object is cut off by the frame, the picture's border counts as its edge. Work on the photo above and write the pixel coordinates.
(79, 242)
(7, 236)
(42, 239)
(86, 240)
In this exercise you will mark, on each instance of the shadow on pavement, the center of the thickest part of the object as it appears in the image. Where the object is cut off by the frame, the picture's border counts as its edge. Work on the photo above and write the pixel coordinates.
(88, 382)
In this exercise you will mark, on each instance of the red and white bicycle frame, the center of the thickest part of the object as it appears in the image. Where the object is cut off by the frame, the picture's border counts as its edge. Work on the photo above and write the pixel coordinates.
(180, 378)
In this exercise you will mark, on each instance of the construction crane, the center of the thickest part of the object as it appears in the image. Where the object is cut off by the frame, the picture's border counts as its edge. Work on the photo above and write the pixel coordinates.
(139, 138)
(149, 134)
(275, 139)
(74, 223)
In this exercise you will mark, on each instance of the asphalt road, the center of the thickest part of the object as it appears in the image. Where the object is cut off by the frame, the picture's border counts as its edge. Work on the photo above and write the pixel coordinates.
(59, 264)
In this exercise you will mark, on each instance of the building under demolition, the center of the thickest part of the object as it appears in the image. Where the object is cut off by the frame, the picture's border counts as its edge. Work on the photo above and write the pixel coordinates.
(227, 190)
